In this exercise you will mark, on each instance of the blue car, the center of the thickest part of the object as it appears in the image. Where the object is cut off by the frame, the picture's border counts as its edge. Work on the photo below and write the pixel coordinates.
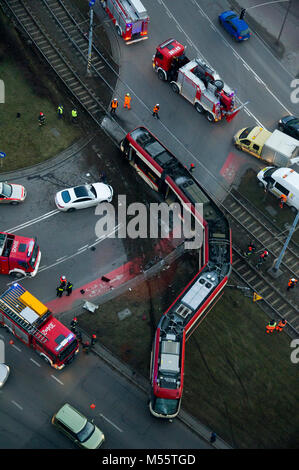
(237, 28)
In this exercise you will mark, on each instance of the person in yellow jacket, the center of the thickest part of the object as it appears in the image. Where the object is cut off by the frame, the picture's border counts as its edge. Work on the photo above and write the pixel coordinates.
(60, 111)
(74, 115)
(270, 328)
(127, 103)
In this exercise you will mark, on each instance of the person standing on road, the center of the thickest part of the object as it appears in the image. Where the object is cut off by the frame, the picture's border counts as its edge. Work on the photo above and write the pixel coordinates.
(213, 437)
(156, 110)
(59, 290)
(74, 324)
(270, 328)
(69, 288)
(292, 283)
(114, 106)
(283, 200)
(192, 167)
(103, 177)
(63, 281)
(127, 103)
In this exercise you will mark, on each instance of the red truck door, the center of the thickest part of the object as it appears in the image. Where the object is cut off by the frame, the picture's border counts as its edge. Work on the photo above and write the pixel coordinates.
(4, 266)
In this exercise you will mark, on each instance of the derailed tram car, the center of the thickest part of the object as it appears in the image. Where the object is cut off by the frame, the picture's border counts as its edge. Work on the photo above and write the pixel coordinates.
(165, 174)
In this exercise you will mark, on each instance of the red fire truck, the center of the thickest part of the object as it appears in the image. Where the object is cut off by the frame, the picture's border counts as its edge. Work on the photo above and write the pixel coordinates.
(195, 81)
(130, 18)
(31, 321)
(19, 256)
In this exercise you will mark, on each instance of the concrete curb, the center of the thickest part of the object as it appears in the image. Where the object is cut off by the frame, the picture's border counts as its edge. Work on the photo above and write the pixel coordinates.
(52, 162)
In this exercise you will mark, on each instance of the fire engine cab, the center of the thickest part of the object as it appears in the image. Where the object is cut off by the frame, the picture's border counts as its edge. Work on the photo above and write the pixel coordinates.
(195, 81)
(19, 256)
(129, 17)
(33, 323)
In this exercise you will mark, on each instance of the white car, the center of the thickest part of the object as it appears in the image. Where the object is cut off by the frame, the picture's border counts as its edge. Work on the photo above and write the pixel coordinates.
(81, 197)
(4, 373)
(12, 193)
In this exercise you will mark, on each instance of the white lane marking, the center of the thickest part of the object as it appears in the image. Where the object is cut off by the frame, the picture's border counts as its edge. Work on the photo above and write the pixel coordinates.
(57, 380)
(73, 255)
(245, 65)
(16, 347)
(83, 247)
(16, 404)
(58, 259)
(33, 221)
(112, 424)
(34, 362)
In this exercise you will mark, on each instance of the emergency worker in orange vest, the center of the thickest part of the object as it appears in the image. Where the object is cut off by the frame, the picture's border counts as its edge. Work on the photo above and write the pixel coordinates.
(114, 105)
(250, 249)
(292, 283)
(283, 200)
(156, 111)
(271, 326)
(281, 324)
(127, 103)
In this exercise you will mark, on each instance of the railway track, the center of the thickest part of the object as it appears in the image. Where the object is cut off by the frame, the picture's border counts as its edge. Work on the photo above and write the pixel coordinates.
(67, 63)
(263, 230)
(274, 301)
(48, 24)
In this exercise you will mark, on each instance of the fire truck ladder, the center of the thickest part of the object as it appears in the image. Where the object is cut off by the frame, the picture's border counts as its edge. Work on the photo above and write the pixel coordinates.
(12, 306)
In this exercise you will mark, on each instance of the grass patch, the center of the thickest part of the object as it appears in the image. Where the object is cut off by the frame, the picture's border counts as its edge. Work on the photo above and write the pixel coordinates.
(23, 141)
(261, 200)
(239, 381)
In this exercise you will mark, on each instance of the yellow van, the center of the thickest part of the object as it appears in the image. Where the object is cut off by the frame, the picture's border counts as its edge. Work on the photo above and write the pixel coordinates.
(252, 140)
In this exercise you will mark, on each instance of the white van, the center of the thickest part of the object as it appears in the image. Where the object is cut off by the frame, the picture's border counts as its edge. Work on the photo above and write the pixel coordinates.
(281, 181)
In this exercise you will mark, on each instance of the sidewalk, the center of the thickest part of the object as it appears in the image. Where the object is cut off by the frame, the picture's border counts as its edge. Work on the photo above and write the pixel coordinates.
(267, 21)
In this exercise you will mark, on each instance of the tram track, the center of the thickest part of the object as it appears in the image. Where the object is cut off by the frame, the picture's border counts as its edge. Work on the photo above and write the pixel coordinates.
(65, 64)
(68, 63)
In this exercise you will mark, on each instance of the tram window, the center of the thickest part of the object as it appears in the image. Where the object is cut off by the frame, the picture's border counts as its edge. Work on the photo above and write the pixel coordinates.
(146, 170)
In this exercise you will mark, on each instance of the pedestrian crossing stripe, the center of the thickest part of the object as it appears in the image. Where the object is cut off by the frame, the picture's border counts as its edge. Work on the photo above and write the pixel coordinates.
(256, 297)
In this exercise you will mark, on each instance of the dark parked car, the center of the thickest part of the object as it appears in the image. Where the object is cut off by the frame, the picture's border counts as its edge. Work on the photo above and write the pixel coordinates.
(289, 125)
(237, 28)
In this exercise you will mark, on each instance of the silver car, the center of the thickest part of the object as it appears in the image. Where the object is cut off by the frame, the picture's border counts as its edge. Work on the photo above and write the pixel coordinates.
(12, 193)
(81, 197)
(4, 373)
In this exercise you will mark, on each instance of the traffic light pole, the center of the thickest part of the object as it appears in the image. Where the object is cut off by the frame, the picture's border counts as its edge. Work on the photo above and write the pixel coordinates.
(91, 4)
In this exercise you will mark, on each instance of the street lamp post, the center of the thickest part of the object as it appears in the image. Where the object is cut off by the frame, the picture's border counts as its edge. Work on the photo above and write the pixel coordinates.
(91, 4)
(243, 11)
(284, 20)
(274, 270)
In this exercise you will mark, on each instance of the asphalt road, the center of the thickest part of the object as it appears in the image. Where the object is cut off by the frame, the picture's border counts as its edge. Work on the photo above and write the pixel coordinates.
(34, 392)
(249, 68)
